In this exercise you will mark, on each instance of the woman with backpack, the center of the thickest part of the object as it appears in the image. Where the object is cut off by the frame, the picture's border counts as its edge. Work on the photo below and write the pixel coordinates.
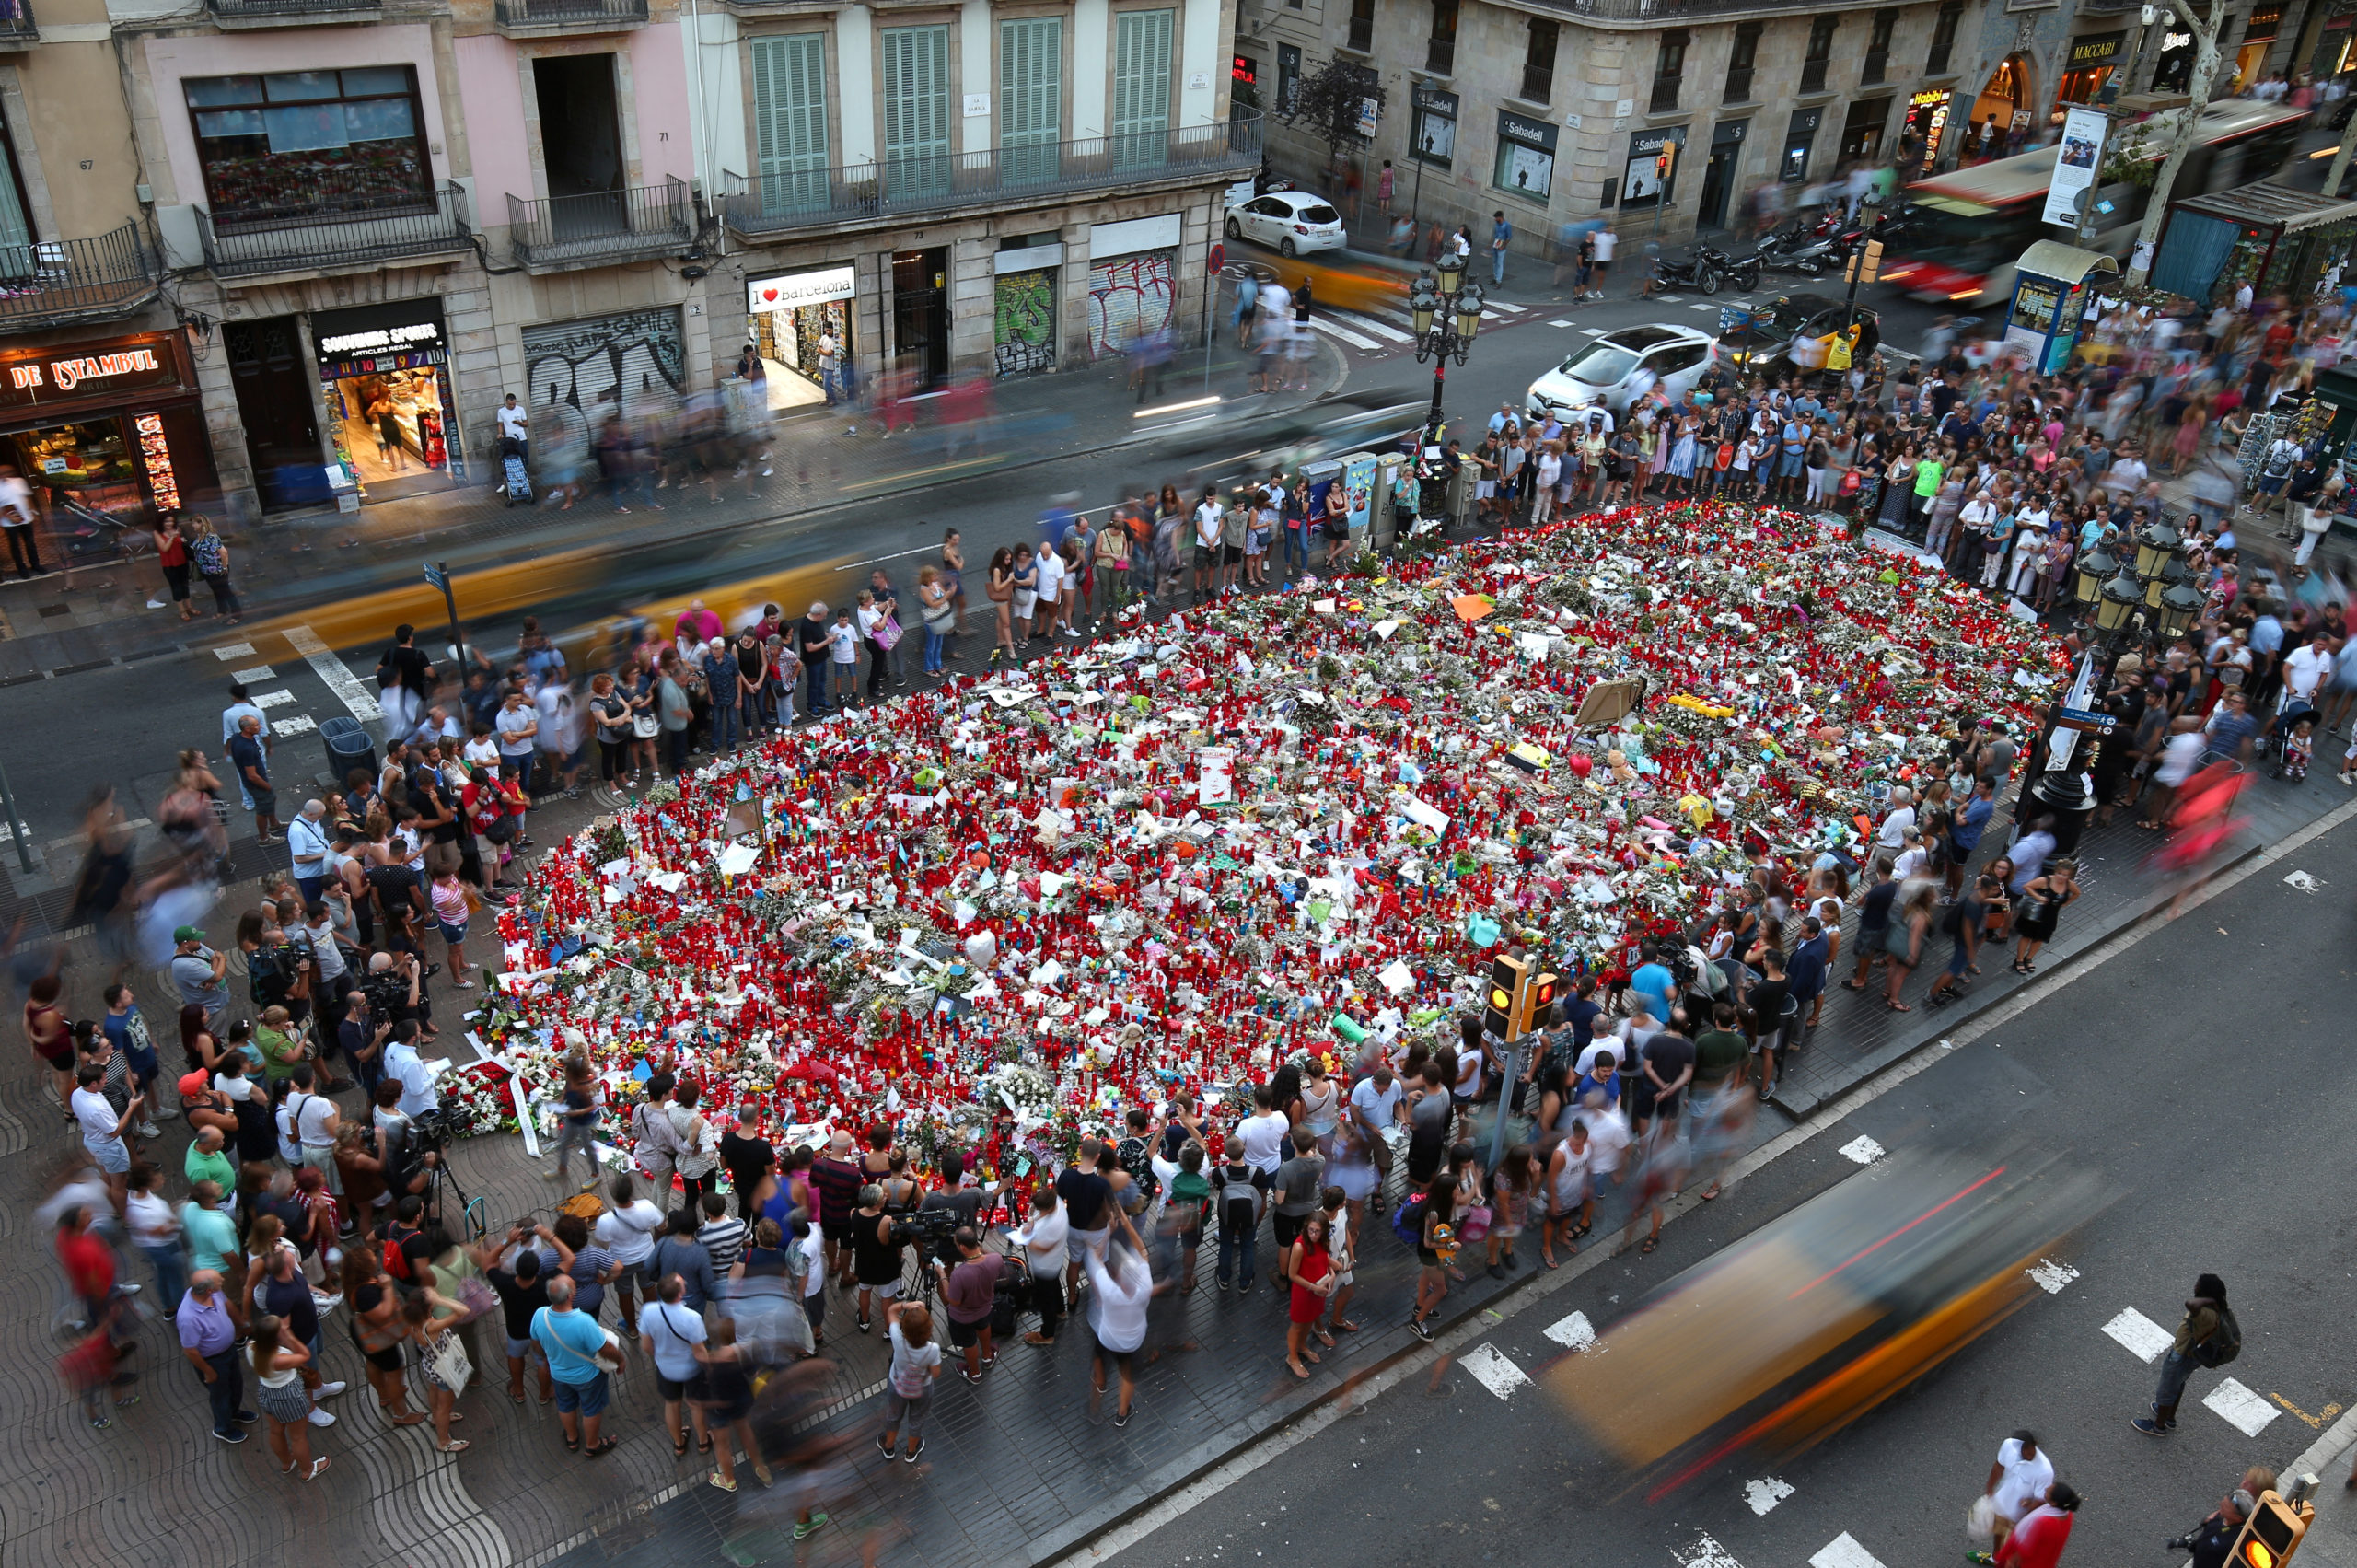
(1435, 1251)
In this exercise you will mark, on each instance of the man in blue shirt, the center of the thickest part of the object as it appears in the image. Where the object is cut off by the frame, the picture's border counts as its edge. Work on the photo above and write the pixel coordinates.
(1500, 234)
(209, 1340)
(1964, 833)
(571, 1340)
(1654, 981)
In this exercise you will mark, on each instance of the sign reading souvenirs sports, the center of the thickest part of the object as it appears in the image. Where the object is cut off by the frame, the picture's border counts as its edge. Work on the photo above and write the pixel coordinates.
(51, 377)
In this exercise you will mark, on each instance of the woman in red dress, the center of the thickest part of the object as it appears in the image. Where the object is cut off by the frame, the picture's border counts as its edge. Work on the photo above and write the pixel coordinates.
(1310, 1266)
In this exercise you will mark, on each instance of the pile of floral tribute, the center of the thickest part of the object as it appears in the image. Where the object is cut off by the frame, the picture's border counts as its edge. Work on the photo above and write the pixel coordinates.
(1002, 910)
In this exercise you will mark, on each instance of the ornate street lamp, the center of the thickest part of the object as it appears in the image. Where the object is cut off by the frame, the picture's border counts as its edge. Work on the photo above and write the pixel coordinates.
(1447, 313)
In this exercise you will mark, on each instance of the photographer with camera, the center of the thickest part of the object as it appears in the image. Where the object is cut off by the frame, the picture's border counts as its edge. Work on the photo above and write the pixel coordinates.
(2212, 1541)
(968, 1291)
(362, 1035)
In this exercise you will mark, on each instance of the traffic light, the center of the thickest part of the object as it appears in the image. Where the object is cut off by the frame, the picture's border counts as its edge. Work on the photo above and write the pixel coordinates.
(2271, 1533)
(1537, 1002)
(1508, 976)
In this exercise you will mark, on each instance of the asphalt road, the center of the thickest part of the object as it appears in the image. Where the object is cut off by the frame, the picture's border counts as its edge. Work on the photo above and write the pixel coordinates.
(2198, 1075)
(123, 724)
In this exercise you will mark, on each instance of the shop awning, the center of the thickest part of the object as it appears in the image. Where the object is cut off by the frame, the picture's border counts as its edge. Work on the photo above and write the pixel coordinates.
(2064, 263)
(2271, 205)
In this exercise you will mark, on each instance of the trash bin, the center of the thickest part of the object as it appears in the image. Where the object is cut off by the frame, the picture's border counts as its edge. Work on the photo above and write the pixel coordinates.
(348, 746)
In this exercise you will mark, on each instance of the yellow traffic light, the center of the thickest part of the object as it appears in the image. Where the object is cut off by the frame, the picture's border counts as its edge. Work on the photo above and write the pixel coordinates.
(1508, 975)
(2272, 1533)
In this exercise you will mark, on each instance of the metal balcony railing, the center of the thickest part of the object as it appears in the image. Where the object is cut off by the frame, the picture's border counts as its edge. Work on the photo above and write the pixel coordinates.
(266, 11)
(16, 23)
(1663, 12)
(819, 197)
(537, 17)
(335, 231)
(55, 282)
(606, 226)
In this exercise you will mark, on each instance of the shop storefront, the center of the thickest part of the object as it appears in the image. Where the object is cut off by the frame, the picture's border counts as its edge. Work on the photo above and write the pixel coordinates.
(2333, 54)
(2092, 59)
(1023, 308)
(385, 382)
(790, 321)
(1862, 130)
(1526, 166)
(1927, 124)
(2172, 68)
(2003, 107)
(2258, 37)
(114, 428)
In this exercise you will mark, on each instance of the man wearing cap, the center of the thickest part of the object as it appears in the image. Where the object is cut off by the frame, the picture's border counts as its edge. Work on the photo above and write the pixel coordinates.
(199, 975)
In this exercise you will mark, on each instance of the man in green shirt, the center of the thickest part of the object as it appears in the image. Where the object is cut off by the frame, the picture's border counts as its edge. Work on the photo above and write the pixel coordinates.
(1719, 1052)
(1928, 474)
(206, 1162)
(1721, 1056)
(281, 1043)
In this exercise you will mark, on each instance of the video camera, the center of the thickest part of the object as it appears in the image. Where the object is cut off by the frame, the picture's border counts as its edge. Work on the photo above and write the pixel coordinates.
(930, 1229)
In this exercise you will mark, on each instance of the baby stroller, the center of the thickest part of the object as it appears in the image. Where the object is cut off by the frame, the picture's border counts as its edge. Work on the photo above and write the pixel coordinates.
(516, 483)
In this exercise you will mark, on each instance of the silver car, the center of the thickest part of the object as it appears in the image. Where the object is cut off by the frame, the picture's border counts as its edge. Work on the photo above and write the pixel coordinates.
(1623, 364)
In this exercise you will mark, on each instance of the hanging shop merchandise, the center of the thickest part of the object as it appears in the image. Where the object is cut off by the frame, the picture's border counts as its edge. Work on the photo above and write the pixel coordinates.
(113, 427)
(385, 379)
(787, 318)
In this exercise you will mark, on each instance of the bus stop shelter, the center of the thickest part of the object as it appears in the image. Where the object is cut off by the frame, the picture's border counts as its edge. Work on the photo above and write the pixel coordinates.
(2276, 239)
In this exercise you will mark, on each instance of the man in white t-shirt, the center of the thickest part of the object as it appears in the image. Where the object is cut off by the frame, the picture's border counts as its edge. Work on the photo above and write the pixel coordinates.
(1262, 1134)
(518, 724)
(102, 1130)
(2017, 1483)
(1051, 590)
(17, 522)
(1211, 523)
(1893, 836)
(515, 423)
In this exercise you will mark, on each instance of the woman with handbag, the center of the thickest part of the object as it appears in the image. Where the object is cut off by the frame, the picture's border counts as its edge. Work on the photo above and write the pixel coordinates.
(430, 1319)
(637, 687)
(698, 1146)
(878, 632)
(1109, 556)
(377, 1332)
(278, 1361)
(940, 617)
(1904, 938)
(1309, 1264)
(611, 710)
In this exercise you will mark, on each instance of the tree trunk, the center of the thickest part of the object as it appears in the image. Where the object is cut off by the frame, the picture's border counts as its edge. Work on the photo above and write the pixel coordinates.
(2206, 61)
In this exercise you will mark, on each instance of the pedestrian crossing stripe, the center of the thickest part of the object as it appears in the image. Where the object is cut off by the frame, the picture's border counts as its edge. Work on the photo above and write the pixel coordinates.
(1670, 298)
(1574, 1332)
(1333, 330)
(272, 699)
(1843, 1551)
(1509, 308)
(2242, 1408)
(1763, 1495)
(1381, 330)
(1595, 332)
(1559, 323)
(1493, 1370)
(2145, 1339)
(296, 726)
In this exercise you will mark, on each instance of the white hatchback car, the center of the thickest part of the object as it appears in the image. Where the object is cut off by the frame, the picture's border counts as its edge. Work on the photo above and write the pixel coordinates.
(1295, 222)
(1623, 364)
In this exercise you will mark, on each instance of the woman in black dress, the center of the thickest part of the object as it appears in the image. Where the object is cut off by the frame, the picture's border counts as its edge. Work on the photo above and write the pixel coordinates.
(725, 1391)
(2042, 901)
(876, 1258)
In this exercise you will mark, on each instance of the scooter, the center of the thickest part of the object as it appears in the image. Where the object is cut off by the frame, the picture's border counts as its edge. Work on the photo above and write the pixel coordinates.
(1705, 271)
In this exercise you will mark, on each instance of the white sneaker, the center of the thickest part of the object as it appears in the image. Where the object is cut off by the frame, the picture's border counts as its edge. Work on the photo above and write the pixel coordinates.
(328, 1390)
(321, 1418)
(149, 1130)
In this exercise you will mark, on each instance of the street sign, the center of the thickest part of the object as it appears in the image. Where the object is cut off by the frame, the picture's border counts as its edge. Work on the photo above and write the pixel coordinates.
(434, 578)
(1219, 259)
(2085, 721)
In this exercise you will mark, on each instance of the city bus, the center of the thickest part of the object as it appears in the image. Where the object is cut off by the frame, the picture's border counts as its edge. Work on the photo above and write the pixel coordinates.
(1976, 221)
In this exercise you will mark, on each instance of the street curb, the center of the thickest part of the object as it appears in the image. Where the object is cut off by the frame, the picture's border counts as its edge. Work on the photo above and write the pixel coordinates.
(1803, 1105)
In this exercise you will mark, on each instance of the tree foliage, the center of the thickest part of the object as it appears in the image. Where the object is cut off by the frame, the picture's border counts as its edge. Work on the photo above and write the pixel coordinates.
(1329, 102)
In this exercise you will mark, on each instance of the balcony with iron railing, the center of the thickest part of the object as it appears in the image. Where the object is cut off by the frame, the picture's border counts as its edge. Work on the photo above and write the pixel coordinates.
(601, 227)
(64, 283)
(17, 29)
(550, 18)
(818, 198)
(336, 230)
(235, 14)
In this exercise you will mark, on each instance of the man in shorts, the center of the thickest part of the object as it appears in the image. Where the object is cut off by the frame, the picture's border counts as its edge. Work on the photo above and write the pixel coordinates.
(1087, 1198)
(966, 1291)
(251, 758)
(1604, 240)
(1211, 533)
(570, 1339)
(1236, 524)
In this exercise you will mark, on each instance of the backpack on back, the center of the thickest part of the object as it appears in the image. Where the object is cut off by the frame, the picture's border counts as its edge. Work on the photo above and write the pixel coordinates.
(1408, 1220)
(2225, 1343)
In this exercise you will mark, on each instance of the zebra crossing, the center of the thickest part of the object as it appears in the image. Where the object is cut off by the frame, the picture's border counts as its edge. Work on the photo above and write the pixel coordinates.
(1384, 331)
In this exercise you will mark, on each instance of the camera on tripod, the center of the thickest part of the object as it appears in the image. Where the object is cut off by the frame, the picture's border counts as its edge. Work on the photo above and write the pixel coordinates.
(930, 1228)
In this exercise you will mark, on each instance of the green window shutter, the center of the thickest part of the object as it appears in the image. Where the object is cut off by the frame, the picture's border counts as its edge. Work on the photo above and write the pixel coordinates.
(1030, 91)
(916, 110)
(1141, 87)
(790, 120)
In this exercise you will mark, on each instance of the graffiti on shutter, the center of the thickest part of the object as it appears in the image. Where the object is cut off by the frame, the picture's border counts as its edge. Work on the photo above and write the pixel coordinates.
(579, 372)
(1128, 298)
(1024, 321)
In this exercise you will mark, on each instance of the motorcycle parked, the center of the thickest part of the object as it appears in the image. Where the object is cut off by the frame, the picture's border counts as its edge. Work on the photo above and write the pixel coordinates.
(1821, 247)
(1705, 271)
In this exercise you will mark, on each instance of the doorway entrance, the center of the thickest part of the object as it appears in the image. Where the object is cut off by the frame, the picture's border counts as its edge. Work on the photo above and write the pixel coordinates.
(1719, 174)
(921, 316)
(581, 142)
(2007, 98)
(272, 380)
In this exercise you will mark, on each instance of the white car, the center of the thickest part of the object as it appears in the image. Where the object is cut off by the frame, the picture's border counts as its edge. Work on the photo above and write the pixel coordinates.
(1623, 364)
(1292, 221)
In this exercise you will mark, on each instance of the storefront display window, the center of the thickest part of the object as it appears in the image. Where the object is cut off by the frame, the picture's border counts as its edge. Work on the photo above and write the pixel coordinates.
(1433, 134)
(1526, 156)
(789, 319)
(300, 141)
(115, 427)
(385, 379)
